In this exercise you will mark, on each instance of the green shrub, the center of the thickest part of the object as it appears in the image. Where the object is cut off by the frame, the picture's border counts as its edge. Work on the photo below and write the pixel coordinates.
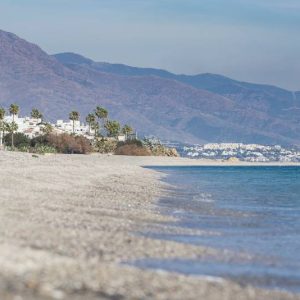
(20, 140)
(40, 140)
(138, 143)
(43, 149)
(132, 150)
(105, 146)
(61, 143)
(24, 148)
(69, 144)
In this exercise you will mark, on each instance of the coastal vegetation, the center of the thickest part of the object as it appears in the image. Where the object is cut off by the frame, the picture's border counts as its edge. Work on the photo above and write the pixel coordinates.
(36, 114)
(144, 147)
(2, 125)
(74, 116)
(63, 143)
(21, 141)
(13, 110)
(90, 120)
(102, 136)
(135, 148)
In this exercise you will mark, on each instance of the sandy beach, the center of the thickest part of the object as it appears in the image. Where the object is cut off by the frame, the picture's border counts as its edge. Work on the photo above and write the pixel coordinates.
(69, 224)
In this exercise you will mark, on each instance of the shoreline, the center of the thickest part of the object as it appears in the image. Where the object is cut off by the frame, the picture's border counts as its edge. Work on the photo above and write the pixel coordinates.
(181, 161)
(68, 222)
(197, 203)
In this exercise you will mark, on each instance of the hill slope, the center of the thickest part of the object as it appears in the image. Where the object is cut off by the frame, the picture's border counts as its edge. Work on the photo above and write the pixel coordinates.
(267, 98)
(154, 101)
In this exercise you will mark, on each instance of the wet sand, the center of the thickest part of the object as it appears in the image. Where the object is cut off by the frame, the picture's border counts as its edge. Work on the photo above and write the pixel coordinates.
(68, 222)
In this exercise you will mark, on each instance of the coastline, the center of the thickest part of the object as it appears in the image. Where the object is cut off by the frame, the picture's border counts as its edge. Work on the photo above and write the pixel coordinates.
(181, 161)
(68, 222)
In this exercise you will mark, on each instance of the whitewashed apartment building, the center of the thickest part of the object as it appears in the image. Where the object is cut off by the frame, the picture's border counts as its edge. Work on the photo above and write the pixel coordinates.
(29, 126)
(34, 127)
(79, 128)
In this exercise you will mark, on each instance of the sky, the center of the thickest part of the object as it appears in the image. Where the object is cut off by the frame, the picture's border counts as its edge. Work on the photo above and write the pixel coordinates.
(248, 40)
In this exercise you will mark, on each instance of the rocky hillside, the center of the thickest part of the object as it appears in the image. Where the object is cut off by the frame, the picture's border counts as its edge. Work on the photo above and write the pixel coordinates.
(203, 108)
(265, 98)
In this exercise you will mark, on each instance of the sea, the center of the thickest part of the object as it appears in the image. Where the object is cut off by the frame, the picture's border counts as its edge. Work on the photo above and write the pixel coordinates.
(251, 215)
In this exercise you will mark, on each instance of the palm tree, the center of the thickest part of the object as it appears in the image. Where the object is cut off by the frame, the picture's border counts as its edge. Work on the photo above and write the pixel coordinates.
(127, 130)
(101, 113)
(14, 110)
(74, 116)
(112, 128)
(2, 115)
(47, 129)
(90, 119)
(12, 127)
(36, 114)
(95, 126)
(4, 126)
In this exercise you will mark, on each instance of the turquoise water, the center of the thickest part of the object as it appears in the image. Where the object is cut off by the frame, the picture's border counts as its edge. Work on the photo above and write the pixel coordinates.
(251, 214)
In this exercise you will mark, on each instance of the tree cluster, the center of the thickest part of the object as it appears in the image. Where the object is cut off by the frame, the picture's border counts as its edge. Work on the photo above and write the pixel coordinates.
(97, 121)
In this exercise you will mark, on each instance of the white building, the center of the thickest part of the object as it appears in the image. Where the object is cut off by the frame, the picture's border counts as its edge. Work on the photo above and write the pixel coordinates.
(34, 127)
(29, 126)
(246, 152)
(79, 128)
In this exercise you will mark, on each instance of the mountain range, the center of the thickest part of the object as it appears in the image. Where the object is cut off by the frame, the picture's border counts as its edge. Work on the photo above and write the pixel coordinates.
(193, 109)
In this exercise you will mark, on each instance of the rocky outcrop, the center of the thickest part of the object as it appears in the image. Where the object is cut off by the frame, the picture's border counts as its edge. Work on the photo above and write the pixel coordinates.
(160, 150)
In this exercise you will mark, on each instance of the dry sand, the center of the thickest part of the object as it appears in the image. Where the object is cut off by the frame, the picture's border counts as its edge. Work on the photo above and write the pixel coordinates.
(68, 222)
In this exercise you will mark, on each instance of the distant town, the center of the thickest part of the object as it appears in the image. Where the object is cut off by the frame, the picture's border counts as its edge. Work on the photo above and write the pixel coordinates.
(34, 125)
(242, 152)
(98, 134)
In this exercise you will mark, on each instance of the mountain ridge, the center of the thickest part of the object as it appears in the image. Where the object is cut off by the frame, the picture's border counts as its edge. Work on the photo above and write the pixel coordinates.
(75, 58)
(214, 83)
(167, 106)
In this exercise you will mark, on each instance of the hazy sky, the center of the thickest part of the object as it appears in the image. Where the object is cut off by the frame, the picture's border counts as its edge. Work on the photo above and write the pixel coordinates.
(251, 40)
